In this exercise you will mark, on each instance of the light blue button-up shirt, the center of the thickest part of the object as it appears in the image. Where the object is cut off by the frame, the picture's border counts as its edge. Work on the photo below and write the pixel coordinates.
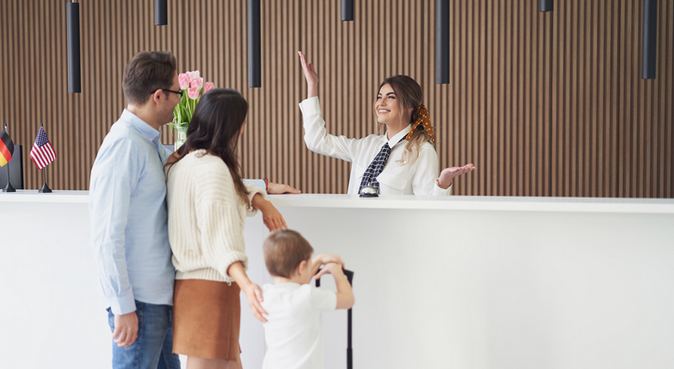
(127, 205)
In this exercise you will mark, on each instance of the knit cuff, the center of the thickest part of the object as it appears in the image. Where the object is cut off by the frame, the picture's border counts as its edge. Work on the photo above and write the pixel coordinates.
(252, 191)
(230, 259)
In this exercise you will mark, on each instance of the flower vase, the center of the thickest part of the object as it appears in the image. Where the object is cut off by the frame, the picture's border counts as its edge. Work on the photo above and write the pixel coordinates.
(180, 135)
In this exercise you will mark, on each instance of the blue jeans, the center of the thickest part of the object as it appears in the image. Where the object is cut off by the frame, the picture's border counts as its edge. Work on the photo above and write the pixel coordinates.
(153, 348)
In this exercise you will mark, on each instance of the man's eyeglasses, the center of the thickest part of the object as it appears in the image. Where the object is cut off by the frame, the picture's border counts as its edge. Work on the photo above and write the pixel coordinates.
(179, 93)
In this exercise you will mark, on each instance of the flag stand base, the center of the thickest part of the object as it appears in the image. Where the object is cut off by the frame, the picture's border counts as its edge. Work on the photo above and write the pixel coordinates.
(45, 188)
(9, 188)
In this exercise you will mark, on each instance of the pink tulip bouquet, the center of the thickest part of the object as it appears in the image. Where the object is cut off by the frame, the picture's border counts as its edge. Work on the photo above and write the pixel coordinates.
(193, 86)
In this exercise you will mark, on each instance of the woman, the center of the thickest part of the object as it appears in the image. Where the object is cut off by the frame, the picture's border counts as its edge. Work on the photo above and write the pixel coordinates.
(207, 202)
(403, 161)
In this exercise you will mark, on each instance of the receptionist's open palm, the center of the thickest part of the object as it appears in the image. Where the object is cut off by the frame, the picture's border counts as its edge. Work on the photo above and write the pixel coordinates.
(448, 175)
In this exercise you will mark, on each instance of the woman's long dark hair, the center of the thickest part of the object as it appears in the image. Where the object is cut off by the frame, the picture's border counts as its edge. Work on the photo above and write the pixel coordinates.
(215, 127)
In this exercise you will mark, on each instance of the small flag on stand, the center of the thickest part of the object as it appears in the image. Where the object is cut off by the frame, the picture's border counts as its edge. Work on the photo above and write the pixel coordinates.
(42, 154)
(6, 148)
(6, 151)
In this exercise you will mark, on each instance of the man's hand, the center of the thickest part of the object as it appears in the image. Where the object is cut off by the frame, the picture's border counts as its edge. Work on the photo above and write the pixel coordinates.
(126, 329)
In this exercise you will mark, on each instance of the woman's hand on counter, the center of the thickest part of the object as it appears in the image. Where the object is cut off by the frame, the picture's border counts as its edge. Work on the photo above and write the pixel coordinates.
(280, 188)
(271, 217)
(447, 175)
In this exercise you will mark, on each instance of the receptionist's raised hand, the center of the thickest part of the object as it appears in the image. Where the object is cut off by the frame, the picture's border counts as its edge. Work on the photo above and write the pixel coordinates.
(310, 75)
(447, 175)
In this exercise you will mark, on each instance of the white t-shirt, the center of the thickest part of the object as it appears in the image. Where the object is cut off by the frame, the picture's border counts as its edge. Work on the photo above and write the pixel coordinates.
(293, 328)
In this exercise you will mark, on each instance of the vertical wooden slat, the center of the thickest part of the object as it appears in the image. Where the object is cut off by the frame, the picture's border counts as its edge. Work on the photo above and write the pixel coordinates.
(664, 92)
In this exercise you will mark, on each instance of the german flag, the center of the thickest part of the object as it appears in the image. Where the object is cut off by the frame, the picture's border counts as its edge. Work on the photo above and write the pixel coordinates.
(6, 148)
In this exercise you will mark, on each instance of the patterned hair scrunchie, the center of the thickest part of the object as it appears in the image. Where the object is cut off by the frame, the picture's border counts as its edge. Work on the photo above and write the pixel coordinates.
(423, 120)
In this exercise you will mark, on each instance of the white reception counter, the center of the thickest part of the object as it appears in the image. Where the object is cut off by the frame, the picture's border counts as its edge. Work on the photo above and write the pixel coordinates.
(458, 282)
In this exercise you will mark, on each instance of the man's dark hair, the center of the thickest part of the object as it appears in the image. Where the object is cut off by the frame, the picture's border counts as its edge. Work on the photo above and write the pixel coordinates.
(147, 72)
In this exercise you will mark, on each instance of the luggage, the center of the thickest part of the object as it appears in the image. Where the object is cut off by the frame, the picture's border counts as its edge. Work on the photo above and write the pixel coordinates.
(349, 348)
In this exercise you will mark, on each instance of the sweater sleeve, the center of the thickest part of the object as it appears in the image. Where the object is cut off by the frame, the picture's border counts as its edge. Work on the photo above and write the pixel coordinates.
(252, 191)
(219, 217)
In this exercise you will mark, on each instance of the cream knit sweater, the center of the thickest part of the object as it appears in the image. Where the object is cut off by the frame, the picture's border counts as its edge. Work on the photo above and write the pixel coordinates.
(205, 218)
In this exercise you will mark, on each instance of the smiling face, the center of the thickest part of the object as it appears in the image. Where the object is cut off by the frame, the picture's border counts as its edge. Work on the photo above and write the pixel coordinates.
(387, 107)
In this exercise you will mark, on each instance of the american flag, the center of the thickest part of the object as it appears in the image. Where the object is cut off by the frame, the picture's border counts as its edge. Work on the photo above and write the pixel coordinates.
(42, 153)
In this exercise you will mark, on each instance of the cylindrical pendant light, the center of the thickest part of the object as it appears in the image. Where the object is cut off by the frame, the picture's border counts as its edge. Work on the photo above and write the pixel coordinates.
(347, 10)
(442, 41)
(649, 36)
(160, 13)
(254, 43)
(544, 6)
(73, 44)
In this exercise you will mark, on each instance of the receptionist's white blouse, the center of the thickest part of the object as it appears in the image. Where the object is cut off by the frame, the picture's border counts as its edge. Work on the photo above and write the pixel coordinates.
(397, 178)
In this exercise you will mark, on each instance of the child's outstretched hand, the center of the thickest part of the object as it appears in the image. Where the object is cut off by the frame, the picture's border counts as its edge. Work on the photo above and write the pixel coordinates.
(323, 259)
(328, 258)
(332, 268)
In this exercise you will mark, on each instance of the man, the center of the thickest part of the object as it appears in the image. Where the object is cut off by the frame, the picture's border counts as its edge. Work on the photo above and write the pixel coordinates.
(129, 218)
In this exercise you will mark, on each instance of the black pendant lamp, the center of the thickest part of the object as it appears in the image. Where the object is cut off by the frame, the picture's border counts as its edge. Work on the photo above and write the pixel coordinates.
(442, 41)
(254, 67)
(160, 13)
(544, 6)
(649, 36)
(73, 47)
(347, 10)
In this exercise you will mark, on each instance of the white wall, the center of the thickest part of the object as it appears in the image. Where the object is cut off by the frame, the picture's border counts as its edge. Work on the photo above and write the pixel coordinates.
(448, 288)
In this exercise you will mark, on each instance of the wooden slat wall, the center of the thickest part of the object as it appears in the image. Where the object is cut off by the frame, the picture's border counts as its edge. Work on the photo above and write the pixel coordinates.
(546, 104)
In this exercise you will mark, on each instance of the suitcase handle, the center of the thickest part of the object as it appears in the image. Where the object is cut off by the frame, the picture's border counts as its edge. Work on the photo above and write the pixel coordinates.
(347, 273)
(349, 348)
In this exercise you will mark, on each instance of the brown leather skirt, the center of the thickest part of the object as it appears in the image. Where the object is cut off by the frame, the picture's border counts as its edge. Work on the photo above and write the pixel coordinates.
(206, 319)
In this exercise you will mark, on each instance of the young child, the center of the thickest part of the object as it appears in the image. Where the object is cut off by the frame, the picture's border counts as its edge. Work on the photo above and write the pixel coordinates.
(294, 305)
